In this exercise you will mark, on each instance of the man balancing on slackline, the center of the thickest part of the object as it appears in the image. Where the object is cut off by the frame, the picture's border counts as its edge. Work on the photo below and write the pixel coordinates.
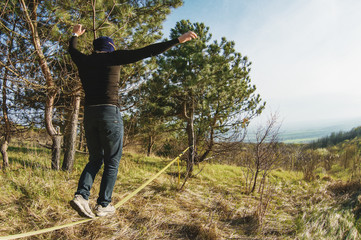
(99, 74)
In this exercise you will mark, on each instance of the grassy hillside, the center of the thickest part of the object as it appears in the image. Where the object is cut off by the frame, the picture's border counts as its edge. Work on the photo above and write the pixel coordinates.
(212, 206)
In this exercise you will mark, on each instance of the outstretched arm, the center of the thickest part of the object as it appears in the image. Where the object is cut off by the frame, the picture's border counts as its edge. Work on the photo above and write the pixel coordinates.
(75, 54)
(121, 57)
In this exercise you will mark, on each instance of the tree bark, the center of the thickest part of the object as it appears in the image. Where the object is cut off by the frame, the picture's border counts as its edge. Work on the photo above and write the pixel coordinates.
(71, 134)
(191, 150)
(189, 116)
(4, 153)
(7, 126)
(150, 145)
(50, 84)
(191, 144)
(55, 152)
(254, 181)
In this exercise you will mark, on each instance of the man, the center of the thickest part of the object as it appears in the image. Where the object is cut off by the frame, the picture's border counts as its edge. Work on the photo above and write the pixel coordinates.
(100, 74)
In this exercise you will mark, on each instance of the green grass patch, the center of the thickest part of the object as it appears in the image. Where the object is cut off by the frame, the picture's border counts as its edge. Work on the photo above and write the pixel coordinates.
(213, 204)
(340, 172)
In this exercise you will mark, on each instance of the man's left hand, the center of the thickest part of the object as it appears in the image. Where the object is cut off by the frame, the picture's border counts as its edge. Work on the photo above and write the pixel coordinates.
(78, 29)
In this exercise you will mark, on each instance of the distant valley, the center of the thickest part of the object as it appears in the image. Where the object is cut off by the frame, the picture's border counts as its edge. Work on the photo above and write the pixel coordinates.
(306, 134)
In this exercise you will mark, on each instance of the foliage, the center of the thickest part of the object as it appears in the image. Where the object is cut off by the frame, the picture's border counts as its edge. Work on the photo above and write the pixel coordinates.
(205, 87)
(335, 138)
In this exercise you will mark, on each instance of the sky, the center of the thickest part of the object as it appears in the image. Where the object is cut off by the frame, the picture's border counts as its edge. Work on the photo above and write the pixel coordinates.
(305, 54)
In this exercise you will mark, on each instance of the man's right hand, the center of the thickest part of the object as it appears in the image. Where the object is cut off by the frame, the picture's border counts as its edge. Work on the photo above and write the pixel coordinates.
(78, 29)
(187, 37)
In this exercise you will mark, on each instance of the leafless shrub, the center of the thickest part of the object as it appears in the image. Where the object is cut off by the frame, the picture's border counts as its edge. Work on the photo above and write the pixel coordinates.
(308, 161)
(263, 155)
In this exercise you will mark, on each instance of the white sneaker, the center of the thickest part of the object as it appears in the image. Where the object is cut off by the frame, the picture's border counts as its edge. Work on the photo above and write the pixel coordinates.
(81, 206)
(101, 211)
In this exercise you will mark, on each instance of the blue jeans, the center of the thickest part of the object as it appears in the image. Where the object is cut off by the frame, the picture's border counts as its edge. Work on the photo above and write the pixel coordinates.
(103, 126)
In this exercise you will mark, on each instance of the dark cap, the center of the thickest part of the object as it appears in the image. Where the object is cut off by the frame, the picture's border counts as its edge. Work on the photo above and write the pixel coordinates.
(104, 44)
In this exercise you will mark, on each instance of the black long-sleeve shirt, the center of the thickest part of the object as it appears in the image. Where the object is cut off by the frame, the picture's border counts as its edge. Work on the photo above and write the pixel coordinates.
(100, 72)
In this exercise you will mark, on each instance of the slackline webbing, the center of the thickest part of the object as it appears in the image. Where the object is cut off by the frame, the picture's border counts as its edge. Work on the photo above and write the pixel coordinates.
(124, 200)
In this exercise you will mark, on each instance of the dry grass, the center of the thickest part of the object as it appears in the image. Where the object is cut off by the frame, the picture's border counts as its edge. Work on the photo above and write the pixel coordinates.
(341, 188)
(212, 206)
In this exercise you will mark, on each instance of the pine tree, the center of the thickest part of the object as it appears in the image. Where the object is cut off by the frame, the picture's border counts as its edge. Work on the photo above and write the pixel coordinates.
(204, 85)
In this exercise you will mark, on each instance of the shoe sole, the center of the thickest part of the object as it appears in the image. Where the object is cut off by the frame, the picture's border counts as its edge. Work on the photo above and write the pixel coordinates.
(79, 209)
(104, 214)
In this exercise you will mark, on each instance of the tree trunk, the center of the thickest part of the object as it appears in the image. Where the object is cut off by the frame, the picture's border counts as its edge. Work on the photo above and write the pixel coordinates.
(51, 91)
(346, 160)
(150, 145)
(7, 125)
(71, 134)
(81, 137)
(209, 148)
(191, 144)
(56, 137)
(55, 152)
(4, 153)
(254, 181)
(188, 114)
(191, 150)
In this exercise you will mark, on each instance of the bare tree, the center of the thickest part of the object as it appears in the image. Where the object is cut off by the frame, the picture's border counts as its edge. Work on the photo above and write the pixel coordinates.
(262, 156)
(308, 160)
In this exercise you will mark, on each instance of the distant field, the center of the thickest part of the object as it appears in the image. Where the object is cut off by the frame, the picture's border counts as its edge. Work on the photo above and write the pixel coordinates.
(309, 134)
(300, 136)
(303, 136)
